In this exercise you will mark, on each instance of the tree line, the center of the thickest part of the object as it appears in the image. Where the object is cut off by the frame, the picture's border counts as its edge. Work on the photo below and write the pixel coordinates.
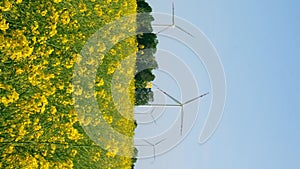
(145, 61)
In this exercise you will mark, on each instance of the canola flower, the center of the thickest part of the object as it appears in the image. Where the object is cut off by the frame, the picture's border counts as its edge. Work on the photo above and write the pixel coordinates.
(40, 43)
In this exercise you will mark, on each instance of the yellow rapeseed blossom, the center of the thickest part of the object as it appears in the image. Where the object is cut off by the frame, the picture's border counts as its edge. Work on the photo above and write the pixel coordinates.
(43, 13)
(65, 17)
(10, 149)
(100, 83)
(57, 1)
(98, 10)
(40, 46)
(82, 7)
(5, 6)
(3, 25)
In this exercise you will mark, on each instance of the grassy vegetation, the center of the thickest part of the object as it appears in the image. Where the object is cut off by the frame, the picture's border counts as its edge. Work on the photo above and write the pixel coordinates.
(40, 43)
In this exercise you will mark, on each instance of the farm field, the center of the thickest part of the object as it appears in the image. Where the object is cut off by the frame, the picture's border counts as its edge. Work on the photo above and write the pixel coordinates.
(40, 44)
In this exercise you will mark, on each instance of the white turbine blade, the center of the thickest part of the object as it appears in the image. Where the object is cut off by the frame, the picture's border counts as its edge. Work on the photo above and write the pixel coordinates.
(166, 105)
(158, 25)
(139, 113)
(152, 110)
(154, 120)
(140, 145)
(156, 145)
(189, 101)
(163, 30)
(148, 142)
(159, 105)
(181, 125)
(160, 141)
(173, 13)
(151, 114)
(154, 152)
(171, 97)
(184, 30)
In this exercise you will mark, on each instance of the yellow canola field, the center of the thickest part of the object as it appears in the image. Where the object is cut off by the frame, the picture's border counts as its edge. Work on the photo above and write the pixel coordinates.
(40, 42)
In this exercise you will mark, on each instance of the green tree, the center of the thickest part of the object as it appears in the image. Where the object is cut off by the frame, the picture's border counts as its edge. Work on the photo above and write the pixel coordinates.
(145, 61)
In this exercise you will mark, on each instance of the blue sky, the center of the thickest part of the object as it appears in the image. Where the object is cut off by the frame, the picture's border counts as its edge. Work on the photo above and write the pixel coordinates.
(259, 45)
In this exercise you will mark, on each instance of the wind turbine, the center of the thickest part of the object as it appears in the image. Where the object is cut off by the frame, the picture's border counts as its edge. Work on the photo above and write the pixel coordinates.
(173, 25)
(151, 115)
(178, 104)
(153, 145)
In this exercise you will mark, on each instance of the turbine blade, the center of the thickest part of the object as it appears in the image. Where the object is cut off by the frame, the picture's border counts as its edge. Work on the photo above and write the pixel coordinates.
(189, 101)
(184, 30)
(160, 141)
(154, 120)
(154, 152)
(159, 105)
(173, 13)
(163, 29)
(140, 145)
(181, 125)
(171, 97)
(139, 113)
(148, 142)
(158, 25)
(152, 110)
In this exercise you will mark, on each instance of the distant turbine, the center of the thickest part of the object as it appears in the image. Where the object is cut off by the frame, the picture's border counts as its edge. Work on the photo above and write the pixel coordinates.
(153, 145)
(173, 25)
(179, 104)
(151, 114)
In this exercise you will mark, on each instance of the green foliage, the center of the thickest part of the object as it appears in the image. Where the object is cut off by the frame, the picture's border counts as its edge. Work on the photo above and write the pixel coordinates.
(144, 76)
(145, 61)
(143, 7)
(143, 96)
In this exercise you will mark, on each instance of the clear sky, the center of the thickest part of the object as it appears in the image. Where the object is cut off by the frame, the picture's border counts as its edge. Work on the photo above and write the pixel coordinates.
(259, 45)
